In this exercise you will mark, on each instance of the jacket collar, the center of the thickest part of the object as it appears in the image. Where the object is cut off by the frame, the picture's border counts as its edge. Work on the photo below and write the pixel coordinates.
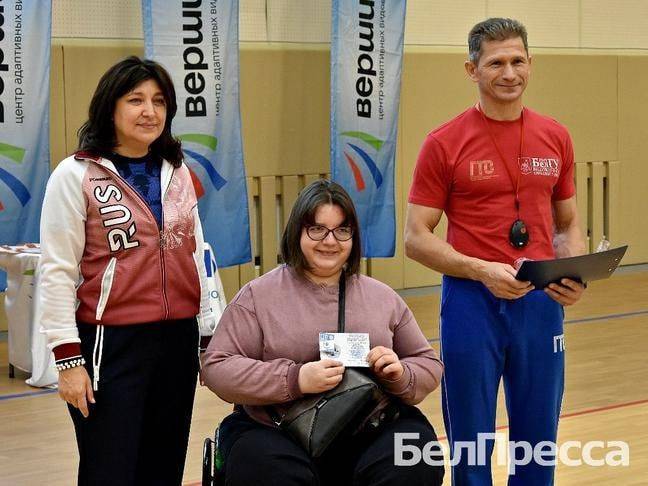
(165, 175)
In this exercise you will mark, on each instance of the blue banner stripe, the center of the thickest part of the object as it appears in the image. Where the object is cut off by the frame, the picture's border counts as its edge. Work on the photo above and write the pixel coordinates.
(375, 172)
(17, 187)
(216, 179)
(147, 24)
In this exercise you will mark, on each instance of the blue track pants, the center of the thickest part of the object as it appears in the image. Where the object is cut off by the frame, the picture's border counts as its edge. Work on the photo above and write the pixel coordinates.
(485, 339)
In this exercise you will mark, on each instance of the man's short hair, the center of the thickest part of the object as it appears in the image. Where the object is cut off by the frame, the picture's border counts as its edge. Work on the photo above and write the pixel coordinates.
(494, 29)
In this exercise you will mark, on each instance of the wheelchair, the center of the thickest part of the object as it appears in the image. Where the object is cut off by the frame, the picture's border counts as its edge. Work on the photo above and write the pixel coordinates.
(212, 463)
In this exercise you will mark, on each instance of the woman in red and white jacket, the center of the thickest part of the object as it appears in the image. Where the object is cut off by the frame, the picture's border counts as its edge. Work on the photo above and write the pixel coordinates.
(123, 282)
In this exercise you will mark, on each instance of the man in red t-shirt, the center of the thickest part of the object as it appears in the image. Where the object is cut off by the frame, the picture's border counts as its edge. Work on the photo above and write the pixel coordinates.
(503, 174)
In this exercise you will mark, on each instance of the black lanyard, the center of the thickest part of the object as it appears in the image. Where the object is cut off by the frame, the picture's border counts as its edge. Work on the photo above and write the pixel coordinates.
(514, 181)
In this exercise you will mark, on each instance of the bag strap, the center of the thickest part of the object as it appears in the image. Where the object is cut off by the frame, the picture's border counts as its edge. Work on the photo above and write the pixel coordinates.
(270, 410)
(341, 301)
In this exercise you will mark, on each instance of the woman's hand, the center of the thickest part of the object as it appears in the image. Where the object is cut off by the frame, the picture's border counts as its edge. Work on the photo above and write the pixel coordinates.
(385, 363)
(320, 376)
(75, 387)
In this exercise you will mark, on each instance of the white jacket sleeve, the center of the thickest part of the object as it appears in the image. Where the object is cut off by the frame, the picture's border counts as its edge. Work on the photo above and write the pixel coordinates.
(62, 236)
(208, 316)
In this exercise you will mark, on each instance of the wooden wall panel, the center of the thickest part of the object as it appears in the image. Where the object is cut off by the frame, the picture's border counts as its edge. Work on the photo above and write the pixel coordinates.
(117, 19)
(581, 93)
(620, 25)
(582, 200)
(435, 88)
(613, 221)
(231, 281)
(550, 23)
(442, 22)
(268, 205)
(299, 20)
(633, 134)
(285, 99)
(597, 204)
(58, 147)
(290, 187)
(249, 271)
(84, 64)
(584, 23)
(310, 178)
(598, 187)
(252, 20)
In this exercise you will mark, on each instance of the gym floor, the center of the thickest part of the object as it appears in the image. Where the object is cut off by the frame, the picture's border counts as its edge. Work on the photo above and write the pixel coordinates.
(606, 396)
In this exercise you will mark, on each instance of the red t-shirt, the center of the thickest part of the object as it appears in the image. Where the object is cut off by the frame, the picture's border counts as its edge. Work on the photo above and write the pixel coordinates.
(459, 171)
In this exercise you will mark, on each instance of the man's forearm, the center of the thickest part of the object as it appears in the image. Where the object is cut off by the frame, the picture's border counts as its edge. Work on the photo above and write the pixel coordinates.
(568, 239)
(435, 253)
(569, 242)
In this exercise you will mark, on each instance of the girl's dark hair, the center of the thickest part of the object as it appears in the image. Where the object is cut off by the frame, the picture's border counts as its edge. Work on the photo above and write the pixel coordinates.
(97, 135)
(313, 196)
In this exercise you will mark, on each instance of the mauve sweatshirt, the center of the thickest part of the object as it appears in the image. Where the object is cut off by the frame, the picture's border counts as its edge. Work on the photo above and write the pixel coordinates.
(272, 327)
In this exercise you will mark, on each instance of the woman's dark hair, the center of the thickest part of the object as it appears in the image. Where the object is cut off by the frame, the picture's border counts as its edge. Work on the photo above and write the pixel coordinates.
(316, 194)
(97, 135)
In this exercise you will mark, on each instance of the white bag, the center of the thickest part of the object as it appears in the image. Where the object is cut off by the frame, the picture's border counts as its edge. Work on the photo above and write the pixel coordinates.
(216, 292)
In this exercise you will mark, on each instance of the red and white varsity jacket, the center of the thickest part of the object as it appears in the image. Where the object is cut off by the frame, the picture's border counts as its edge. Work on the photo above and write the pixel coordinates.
(105, 261)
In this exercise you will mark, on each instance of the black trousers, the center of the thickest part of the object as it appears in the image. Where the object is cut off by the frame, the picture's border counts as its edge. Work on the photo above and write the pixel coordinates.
(138, 430)
(256, 454)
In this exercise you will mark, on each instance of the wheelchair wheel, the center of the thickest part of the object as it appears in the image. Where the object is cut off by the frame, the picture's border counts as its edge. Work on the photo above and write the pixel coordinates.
(207, 463)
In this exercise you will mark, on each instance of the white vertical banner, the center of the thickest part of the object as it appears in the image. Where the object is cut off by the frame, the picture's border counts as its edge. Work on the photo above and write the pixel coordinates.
(25, 36)
(366, 60)
(197, 42)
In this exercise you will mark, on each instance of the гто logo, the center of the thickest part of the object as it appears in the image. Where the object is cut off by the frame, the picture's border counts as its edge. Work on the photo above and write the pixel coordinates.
(209, 142)
(16, 155)
(372, 142)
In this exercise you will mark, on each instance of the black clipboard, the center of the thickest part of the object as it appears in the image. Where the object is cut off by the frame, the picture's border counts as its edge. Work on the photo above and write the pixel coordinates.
(585, 268)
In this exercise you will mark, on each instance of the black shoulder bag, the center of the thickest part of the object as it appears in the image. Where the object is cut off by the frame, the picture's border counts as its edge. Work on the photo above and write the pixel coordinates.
(356, 404)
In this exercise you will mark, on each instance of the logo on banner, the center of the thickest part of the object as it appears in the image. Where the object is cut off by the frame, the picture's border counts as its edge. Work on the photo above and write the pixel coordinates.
(16, 155)
(366, 159)
(210, 143)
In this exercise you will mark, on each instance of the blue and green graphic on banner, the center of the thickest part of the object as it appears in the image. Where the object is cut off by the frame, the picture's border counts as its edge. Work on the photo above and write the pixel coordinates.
(197, 42)
(366, 59)
(25, 31)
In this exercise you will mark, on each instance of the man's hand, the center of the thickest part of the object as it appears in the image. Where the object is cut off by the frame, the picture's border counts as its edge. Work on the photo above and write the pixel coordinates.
(568, 292)
(320, 376)
(385, 363)
(499, 278)
(74, 387)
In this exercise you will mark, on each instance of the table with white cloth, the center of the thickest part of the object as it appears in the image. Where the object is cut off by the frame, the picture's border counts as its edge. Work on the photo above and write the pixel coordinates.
(27, 345)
